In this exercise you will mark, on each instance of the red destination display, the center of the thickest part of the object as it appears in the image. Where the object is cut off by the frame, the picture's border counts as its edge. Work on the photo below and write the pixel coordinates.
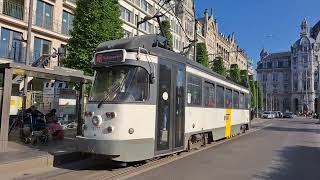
(110, 57)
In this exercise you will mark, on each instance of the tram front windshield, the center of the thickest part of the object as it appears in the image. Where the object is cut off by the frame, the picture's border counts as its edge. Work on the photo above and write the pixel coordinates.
(120, 84)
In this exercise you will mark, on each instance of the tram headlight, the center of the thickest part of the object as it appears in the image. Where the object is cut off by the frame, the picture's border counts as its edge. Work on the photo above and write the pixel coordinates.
(96, 120)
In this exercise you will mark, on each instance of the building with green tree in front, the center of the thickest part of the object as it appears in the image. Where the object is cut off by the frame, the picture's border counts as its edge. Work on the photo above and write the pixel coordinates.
(202, 54)
(94, 22)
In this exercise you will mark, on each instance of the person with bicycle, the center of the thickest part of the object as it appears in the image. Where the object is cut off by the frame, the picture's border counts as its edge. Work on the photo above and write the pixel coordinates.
(33, 120)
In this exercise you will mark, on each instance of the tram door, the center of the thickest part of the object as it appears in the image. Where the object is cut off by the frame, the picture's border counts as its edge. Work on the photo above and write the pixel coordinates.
(171, 108)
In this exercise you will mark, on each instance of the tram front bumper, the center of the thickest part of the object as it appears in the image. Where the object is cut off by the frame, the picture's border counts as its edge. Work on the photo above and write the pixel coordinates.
(118, 150)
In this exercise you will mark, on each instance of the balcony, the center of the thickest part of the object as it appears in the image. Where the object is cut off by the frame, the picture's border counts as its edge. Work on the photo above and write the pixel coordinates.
(70, 3)
(14, 9)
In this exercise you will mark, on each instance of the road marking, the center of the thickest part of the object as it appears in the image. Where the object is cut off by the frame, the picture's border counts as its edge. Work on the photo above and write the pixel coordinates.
(189, 154)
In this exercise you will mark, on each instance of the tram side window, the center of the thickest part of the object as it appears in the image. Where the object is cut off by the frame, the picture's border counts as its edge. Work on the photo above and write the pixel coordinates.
(235, 99)
(194, 90)
(220, 97)
(209, 95)
(228, 98)
(247, 101)
(242, 102)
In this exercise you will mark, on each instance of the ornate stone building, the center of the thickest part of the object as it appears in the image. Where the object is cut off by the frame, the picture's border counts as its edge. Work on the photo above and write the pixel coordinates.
(290, 80)
(220, 45)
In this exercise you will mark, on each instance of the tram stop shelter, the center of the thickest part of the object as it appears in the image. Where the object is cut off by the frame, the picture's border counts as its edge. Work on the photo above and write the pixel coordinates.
(10, 69)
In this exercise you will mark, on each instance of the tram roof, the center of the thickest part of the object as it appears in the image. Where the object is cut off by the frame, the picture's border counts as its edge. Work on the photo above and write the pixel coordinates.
(155, 45)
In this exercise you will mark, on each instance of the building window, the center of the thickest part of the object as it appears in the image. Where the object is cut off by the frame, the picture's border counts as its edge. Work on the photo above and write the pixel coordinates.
(285, 77)
(315, 85)
(14, 8)
(275, 77)
(265, 77)
(41, 47)
(146, 6)
(294, 62)
(10, 48)
(194, 90)
(126, 34)
(125, 14)
(67, 22)
(44, 15)
(209, 95)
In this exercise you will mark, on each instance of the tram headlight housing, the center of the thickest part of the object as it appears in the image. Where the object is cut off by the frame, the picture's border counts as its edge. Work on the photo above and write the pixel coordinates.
(96, 120)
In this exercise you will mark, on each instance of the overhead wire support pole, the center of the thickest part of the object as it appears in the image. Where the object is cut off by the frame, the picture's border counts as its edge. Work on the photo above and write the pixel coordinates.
(27, 57)
(195, 34)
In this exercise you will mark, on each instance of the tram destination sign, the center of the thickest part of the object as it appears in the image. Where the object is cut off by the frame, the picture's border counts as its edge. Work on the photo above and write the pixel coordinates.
(110, 56)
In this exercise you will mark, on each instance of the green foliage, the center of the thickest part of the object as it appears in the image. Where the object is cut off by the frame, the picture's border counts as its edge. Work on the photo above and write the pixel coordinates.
(235, 73)
(95, 21)
(243, 77)
(218, 66)
(253, 92)
(167, 32)
(202, 54)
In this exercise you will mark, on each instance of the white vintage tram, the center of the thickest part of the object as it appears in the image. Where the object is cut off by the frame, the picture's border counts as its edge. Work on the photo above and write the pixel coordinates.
(147, 101)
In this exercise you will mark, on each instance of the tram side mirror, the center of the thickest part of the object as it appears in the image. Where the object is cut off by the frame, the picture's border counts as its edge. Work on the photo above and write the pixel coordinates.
(151, 78)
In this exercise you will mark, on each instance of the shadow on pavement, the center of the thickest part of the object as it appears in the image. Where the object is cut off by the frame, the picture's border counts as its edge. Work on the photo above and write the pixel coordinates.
(295, 163)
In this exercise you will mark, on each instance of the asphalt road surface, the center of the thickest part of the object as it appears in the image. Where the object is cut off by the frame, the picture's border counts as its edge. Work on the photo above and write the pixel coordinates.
(279, 149)
(289, 149)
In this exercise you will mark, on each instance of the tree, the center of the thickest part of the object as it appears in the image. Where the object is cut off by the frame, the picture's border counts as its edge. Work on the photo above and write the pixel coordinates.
(95, 21)
(253, 92)
(202, 54)
(260, 95)
(235, 73)
(243, 78)
(218, 66)
(167, 32)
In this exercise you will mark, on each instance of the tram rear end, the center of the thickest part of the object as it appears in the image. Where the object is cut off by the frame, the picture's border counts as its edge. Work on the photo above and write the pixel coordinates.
(121, 111)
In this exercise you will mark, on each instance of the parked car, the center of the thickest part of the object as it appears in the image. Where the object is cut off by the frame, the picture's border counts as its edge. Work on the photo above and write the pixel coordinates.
(288, 115)
(278, 114)
(268, 115)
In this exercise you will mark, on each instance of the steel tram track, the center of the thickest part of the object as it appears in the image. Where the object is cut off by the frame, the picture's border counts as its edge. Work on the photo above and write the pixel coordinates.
(126, 172)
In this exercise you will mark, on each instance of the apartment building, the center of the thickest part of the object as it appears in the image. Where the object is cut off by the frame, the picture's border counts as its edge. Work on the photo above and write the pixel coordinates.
(51, 24)
(220, 45)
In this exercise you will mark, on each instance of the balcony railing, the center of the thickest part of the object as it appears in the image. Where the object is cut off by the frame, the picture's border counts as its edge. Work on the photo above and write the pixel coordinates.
(13, 9)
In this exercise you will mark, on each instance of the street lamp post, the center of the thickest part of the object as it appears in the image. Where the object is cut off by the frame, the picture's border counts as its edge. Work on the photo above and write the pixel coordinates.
(27, 57)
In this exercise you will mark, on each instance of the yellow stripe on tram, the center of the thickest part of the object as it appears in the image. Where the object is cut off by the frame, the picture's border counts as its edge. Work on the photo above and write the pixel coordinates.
(228, 123)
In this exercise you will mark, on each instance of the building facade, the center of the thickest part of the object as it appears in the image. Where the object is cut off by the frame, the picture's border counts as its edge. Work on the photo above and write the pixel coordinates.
(220, 45)
(51, 24)
(290, 80)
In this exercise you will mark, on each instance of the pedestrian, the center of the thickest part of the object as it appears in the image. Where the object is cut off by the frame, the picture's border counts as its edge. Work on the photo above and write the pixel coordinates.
(55, 128)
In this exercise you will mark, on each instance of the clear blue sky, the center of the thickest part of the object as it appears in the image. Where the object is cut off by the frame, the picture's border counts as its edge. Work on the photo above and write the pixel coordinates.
(255, 21)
